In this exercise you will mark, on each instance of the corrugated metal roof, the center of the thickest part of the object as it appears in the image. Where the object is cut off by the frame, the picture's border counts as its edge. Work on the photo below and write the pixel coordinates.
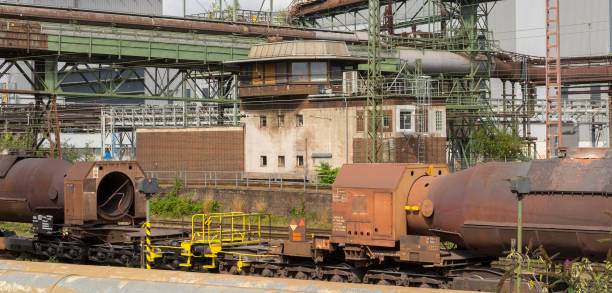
(373, 176)
(302, 48)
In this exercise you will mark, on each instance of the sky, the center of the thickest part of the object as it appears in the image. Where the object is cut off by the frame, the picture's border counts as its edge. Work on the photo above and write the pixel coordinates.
(175, 7)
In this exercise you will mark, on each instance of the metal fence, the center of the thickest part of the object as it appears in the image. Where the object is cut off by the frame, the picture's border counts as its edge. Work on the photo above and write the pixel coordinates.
(243, 180)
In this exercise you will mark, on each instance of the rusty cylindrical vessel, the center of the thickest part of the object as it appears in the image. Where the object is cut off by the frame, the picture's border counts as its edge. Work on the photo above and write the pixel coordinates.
(31, 185)
(565, 211)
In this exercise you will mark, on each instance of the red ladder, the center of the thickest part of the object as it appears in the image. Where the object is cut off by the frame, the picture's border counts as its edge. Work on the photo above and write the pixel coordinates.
(554, 113)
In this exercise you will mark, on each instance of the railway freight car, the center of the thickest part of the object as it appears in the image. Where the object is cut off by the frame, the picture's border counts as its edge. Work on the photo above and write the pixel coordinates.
(78, 211)
(398, 224)
(418, 225)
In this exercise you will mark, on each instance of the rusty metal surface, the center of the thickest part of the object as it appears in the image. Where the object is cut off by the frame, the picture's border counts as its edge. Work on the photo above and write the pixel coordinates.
(32, 185)
(585, 71)
(22, 34)
(368, 201)
(251, 91)
(565, 212)
(50, 277)
(164, 23)
(103, 192)
(370, 176)
(310, 7)
(422, 249)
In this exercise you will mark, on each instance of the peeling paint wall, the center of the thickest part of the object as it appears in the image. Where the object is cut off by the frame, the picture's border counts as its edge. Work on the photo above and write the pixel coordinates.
(321, 138)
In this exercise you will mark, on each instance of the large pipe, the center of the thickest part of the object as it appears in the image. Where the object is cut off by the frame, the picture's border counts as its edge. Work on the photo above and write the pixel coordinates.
(32, 185)
(167, 23)
(16, 276)
(565, 211)
(436, 62)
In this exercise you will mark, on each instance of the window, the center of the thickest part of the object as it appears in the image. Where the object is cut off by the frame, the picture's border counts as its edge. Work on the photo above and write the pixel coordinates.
(245, 75)
(299, 120)
(281, 120)
(299, 71)
(386, 121)
(360, 120)
(281, 161)
(262, 121)
(318, 71)
(258, 74)
(281, 72)
(405, 120)
(438, 120)
(263, 161)
(299, 160)
(336, 73)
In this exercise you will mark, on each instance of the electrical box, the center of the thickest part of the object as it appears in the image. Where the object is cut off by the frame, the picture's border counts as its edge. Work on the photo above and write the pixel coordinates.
(148, 186)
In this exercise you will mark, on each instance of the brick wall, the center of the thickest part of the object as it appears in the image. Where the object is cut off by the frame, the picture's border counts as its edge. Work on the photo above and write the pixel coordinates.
(404, 150)
(197, 149)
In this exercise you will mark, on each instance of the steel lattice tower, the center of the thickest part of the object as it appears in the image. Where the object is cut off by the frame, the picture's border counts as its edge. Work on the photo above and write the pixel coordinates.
(374, 138)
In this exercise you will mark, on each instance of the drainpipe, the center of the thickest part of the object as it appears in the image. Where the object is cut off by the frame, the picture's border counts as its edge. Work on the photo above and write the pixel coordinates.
(234, 10)
(271, 9)
(346, 132)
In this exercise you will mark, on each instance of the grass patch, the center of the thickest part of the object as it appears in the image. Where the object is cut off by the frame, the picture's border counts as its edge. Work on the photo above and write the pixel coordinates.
(22, 229)
(174, 207)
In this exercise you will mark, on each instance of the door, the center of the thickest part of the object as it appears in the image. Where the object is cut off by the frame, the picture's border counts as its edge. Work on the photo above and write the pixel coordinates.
(383, 214)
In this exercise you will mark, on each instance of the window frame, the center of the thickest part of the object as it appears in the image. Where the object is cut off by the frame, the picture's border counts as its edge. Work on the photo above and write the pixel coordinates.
(263, 121)
(279, 159)
(326, 72)
(307, 74)
(263, 161)
(280, 120)
(299, 120)
(439, 120)
(398, 118)
(298, 159)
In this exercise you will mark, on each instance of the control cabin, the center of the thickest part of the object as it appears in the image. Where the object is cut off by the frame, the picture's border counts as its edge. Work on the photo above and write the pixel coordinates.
(295, 68)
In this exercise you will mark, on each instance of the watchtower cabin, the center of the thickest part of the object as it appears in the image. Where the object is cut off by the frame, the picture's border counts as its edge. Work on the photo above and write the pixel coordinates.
(295, 68)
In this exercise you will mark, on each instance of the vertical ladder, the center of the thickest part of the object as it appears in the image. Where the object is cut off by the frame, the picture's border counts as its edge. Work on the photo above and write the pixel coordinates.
(554, 113)
(423, 105)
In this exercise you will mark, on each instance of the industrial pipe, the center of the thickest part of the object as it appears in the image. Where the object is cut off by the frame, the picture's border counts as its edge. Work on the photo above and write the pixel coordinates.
(436, 62)
(565, 210)
(168, 23)
(29, 186)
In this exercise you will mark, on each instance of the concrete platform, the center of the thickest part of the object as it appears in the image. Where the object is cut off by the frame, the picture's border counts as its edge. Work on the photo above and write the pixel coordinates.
(18, 276)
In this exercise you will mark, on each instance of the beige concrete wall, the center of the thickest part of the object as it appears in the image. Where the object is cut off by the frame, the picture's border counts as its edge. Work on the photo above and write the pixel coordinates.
(323, 132)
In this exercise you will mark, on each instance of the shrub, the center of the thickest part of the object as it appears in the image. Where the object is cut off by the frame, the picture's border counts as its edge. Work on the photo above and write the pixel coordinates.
(327, 175)
(171, 205)
(213, 206)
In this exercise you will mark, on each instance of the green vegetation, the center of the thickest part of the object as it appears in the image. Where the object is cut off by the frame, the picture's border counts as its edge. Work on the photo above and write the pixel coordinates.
(171, 205)
(22, 229)
(496, 144)
(297, 212)
(327, 174)
(12, 141)
(576, 276)
(213, 206)
(73, 154)
(70, 153)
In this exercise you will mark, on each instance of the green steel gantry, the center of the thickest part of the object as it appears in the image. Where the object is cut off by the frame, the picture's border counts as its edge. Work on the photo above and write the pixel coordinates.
(459, 26)
(374, 137)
